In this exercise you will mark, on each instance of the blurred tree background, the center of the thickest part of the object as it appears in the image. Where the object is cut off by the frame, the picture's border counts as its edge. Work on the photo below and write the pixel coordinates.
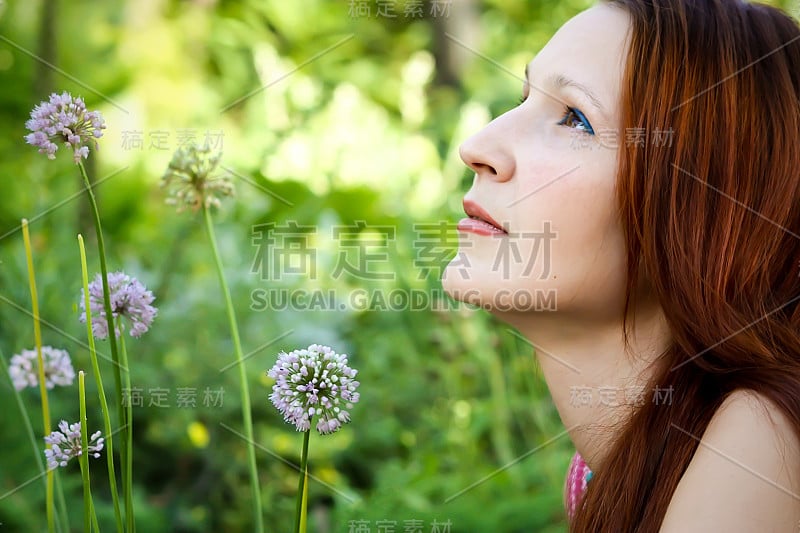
(339, 120)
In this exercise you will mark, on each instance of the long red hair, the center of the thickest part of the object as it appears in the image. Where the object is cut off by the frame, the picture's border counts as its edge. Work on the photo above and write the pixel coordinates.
(711, 211)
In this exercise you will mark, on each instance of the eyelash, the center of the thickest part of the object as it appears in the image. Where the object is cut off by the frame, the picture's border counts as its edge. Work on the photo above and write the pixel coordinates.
(571, 110)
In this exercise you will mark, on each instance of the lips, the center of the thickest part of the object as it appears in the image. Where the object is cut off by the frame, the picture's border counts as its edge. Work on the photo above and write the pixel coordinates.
(480, 221)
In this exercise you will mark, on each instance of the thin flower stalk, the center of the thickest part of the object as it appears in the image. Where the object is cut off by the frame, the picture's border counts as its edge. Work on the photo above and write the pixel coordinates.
(88, 508)
(245, 391)
(112, 340)
(304, 511)
(101, 248)
(128, 467)
(302, 489)
(61, 512)
(190, 182)
(37, 334)
(112, 477)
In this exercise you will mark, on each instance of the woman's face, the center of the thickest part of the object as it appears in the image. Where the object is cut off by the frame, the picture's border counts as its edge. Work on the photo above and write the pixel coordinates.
(547, 174)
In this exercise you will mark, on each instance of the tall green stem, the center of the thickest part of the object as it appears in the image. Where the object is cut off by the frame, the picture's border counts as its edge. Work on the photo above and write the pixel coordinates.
(128, 467)
(301, 488)
(109, 445)
(37, 334)
(84, 458)
(63, 525)
(246, 414)
(112, 338)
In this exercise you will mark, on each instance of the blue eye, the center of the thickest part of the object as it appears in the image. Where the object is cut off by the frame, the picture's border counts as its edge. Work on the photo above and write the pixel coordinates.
(574, 118)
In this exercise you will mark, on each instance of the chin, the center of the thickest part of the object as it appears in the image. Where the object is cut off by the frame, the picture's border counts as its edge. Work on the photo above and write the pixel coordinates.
(496, 298)
(459, 284)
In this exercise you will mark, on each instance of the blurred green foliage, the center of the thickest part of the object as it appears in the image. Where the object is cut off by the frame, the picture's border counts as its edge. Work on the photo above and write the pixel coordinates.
(327, 115)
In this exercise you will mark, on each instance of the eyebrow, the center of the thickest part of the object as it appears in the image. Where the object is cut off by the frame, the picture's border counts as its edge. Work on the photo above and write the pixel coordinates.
(561, 81)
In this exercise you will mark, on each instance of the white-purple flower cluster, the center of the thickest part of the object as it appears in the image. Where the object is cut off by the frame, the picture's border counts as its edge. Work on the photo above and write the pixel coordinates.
(129, 300)
(189, 181)
(24, 368)
(314, 382)
(66, 444)
(64, 118)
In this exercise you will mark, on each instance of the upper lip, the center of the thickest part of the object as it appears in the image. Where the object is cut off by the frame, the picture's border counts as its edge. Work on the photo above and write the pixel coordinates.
(474, 210)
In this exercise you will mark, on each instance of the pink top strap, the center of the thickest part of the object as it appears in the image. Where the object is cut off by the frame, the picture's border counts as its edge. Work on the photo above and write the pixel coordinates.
(576, 483)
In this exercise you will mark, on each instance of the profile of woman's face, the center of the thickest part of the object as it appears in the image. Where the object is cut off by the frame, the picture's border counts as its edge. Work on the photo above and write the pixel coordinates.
(545, 171)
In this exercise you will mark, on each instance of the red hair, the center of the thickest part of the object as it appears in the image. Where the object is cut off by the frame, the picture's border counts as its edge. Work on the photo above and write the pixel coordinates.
(712, 221)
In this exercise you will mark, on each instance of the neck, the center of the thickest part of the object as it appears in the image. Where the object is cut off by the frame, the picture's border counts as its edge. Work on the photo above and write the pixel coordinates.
(594, 383)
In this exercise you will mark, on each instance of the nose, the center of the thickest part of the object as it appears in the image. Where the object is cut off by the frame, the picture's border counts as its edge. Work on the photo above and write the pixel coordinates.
(488, 152)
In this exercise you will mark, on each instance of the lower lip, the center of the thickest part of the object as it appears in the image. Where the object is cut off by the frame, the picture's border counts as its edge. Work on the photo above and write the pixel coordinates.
(479, 227)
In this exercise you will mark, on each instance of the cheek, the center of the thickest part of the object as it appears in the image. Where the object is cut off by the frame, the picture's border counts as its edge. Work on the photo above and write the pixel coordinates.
(589, 249)
(567, 186)
(572, 198)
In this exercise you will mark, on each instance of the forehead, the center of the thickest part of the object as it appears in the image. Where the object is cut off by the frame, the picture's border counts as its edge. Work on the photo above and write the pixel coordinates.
(589, 48)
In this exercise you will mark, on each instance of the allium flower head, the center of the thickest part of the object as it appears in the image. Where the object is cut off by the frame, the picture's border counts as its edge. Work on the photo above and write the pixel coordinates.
(314, 382)
(24, 368)
(189, 179)
(129, 300)
(64, 118)
(66, 444)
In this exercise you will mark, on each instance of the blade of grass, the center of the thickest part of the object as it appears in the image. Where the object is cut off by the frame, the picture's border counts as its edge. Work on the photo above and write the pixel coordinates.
(128, 466)
(84, 458)
(112, 477)
(112, 340)
(37, 334)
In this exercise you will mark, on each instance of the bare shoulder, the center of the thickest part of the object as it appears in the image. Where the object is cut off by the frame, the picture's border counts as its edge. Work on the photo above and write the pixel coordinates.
(745, 474)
